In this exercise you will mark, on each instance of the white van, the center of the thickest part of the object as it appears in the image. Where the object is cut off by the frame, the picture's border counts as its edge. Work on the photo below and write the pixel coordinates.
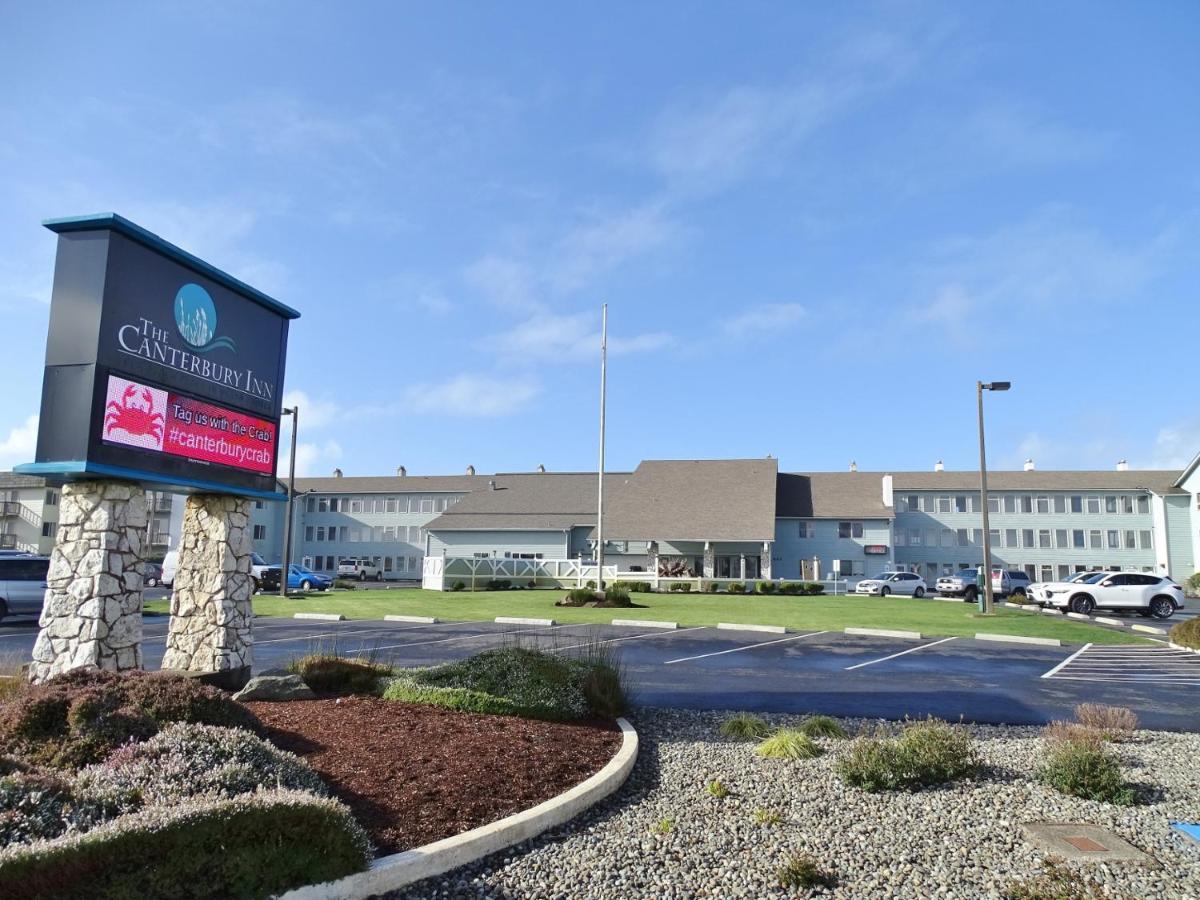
(170, 564)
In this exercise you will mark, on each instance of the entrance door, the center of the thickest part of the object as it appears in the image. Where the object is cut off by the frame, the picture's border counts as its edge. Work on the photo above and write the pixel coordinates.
(806, 570)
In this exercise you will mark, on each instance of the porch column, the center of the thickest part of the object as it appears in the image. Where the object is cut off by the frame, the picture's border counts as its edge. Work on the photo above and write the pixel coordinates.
(742, 567)
(765, 566)
(710, 560)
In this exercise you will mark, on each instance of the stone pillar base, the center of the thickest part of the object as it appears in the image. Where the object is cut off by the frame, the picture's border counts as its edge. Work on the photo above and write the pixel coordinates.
(211, 618)
(92, 613)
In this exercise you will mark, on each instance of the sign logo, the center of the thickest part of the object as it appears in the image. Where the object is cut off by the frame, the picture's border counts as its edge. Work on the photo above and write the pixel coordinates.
(135, 414)
(196, 319)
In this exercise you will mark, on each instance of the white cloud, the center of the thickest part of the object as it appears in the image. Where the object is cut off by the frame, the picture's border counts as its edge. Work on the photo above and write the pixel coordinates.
(506, 282)
(601, 245)
(312, 458)
(1175, 445)
(1019, 135)
(473, 395)
(563, 339)
(313, 413)
(20, 445)
(765, 318)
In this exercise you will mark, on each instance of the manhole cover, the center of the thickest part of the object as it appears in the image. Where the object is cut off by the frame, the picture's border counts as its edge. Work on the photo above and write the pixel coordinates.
(1080, 841)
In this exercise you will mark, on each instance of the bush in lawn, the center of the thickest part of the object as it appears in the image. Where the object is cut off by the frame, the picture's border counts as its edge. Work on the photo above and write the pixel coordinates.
(765, 587)
(1187, 634)
(822, 726)
(501, 584)
(745, 727)
(459, 586)
(634, 587)
(789, 743)
(710, 587)
(253, 845)
(1085, 769)
(1115, 723)
(577, 597)
(618, 597)
(80, 717)
(517, 681)
(789, 587)
(684, 587)
(1193, 584)
(328, 673)
(812, 588)
(736, 587)
(926, 753)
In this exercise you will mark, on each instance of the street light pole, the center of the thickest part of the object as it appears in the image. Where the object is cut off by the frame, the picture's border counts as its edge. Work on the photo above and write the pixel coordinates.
(294, 412)
(600, 484)
(986, 600)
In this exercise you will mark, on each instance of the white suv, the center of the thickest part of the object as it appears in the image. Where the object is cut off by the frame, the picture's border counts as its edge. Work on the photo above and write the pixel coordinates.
(362, 568)
(1150, 595)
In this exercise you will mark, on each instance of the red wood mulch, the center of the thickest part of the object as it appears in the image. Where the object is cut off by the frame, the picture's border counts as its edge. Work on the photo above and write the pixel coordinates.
(415, 774)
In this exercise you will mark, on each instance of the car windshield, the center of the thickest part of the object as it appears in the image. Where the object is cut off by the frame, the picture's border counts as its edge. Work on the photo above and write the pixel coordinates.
(1092, 579)
(965, 573)
(882, 576)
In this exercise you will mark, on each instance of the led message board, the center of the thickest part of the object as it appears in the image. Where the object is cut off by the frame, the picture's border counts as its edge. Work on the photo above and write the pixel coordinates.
(160, 368)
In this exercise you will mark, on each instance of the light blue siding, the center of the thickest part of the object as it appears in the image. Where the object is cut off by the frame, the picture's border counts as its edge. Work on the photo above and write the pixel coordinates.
(1179, 537)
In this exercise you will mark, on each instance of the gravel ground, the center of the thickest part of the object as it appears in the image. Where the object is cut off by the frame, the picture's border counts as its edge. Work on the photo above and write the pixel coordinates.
(963, 840)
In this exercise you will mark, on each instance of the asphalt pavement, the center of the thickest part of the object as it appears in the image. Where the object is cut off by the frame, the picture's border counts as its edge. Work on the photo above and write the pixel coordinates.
(814, 671)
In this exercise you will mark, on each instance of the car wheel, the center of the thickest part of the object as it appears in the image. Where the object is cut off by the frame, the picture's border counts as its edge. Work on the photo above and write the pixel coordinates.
(306, 585)
(3, 610)
(379, 576)
(970, 596)
(362, 576)
(919, 592)
(1019, 592)
(883, 592)
(1083, 604)
(151, 581)
(1162, 608)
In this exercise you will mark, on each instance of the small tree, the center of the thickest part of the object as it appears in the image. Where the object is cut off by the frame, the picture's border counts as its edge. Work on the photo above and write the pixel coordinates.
(675, 567)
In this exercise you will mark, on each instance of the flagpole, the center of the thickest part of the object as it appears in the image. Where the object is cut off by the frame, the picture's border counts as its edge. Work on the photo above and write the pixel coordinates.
(600, 485)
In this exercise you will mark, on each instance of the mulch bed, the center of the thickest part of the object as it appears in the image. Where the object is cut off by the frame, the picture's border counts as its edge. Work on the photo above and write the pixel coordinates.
(415, 774)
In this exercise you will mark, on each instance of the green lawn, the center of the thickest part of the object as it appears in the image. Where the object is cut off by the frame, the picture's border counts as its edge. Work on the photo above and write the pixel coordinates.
(930, 617)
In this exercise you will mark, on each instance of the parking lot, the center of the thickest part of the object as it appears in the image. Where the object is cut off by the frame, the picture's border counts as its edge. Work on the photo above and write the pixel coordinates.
(813, 671)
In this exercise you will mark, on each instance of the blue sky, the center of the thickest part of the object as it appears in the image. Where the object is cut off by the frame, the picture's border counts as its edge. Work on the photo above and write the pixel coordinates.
(815, 225)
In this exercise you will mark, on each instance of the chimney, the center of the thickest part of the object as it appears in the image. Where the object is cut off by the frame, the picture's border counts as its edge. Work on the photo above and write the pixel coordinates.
(470, 470)
(1122, 465)
(401, 472)
(541, 469)
(887, 491)
(853, 466)
(337, 473)
(939, 466)
(491, 485)
(1029, 466)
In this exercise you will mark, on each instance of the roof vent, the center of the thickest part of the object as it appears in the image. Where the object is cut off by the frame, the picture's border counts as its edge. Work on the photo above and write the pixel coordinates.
(1029, 465)
(939, 466)
(541, 468)
(491, 485)
(1122, 465)
(337, 473)
(401, 471)
(470, 470)
(853, 466)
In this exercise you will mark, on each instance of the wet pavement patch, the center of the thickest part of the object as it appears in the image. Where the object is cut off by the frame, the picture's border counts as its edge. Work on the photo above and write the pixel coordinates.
(1081, 842)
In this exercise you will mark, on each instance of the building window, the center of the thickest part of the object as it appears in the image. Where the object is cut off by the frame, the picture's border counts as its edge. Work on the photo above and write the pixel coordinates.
(1076, 503)
(994, 537)
(1060, 538)
(993, 504)
(1110, 504)
(322, 504)
(426, 504)
(900, 537)
(1043, 505)
(1010, 538)
(850, 529)
(1026, 503)
(441, 504)
(1143, 504)
(914, 537)
(320, 532)
(330, 563)
(913, 503)
(49, 529)
(391, 504)
(928, 504)
(1094, 541)
(311, 504)
(343, 533)
(308, 533)
(1027, 537)
(1060, 504)
(1114, 539)
(960, 504)
(1044, 538)
(1127, 503)
(1093, 505)
(948, 537)
(258, 504)
(1146, 540)
(1130, 540)
(805, 530)
(961, 536)
(944, 504)
(977, 537)
(1010, 504)
(260, 532)
(1047, 572)
(51, 498)
(1077, 539)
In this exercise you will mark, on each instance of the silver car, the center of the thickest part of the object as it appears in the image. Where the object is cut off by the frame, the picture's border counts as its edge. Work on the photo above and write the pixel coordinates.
(886, 583)
(22, 585)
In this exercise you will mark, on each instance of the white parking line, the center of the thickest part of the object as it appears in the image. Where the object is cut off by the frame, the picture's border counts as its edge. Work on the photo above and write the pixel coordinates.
(1063, 664)
(348, 634)
(745, 647)
(871, 662)
(632, 637)
(468, 637)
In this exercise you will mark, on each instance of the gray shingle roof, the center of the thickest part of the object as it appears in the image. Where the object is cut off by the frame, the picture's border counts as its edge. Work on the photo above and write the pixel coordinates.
(13, 480)
(693, 500)
(831, 495)
(393, 484)
(1161, 481)
(540, 501)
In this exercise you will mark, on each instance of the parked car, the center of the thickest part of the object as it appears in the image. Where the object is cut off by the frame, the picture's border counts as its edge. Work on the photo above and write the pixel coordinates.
(151, 574)
(170, 564)
(965, 584)
(22, 585)
(361, 568)
(299, 579)
(892, 583)
(1141, 592)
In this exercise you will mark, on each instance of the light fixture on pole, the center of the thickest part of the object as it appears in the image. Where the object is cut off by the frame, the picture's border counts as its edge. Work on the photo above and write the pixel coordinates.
(600, 484)
(284, 569)
(986, 600)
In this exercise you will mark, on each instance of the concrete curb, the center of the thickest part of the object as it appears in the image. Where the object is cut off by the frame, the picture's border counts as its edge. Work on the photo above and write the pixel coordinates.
(422, 620)
(737, 626)
(391, 872)
(1020, 608)
(517, 620)
(1103, 620)
(1072, 615)
(884, 632)
(1019, 639)
(324, 617)
(1149, 629)
(1175, 646)
(646, 623)
(1051, 612)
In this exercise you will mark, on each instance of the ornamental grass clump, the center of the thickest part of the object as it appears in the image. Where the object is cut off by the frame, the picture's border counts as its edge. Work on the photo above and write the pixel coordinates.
(745, 727)
(926, 753)
(788, 743)
(1115, 723)
(1056, 882)
(717, 789)
(822, 726)
(803, 871)
(1087, 770)
(329, 673)
(1187, 634)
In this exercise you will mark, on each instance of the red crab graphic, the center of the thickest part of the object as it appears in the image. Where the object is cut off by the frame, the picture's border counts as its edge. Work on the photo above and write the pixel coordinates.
(133, 420)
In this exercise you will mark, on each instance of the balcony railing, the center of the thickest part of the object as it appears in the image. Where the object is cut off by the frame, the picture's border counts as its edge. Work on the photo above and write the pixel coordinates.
(9, 508)
(160, 539)
(8, 542)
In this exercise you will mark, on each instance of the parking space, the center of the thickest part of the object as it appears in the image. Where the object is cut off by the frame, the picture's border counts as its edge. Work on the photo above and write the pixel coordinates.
(1129, 664)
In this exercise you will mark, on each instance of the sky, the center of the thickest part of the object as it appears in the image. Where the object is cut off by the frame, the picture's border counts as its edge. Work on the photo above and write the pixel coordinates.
(816, 226)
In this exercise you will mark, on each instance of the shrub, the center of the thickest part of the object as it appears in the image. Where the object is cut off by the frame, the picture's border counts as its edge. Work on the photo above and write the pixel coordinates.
(822, 726)
(1187, 634)
(710, 587)
(1086, 770)
(802, 871)
(328, 673)
(80, 717)
(459, 586)
(813, 588)
(346, 584)
(789, 587)
(926, 753)
(745, 727)
(684, 587)
(1193, 584)
(634, 587)
(1059, 732)
(736, 587)
(1115, 723)
(1018, 600)
(1056, 882)
(765, 587)
(253, 845)
(767, 817)
(615, 596)
(517, 681)
(590, 585)
(788, 743)
(36, 805)
(716, 789)
(578, 597)
(498, 584)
